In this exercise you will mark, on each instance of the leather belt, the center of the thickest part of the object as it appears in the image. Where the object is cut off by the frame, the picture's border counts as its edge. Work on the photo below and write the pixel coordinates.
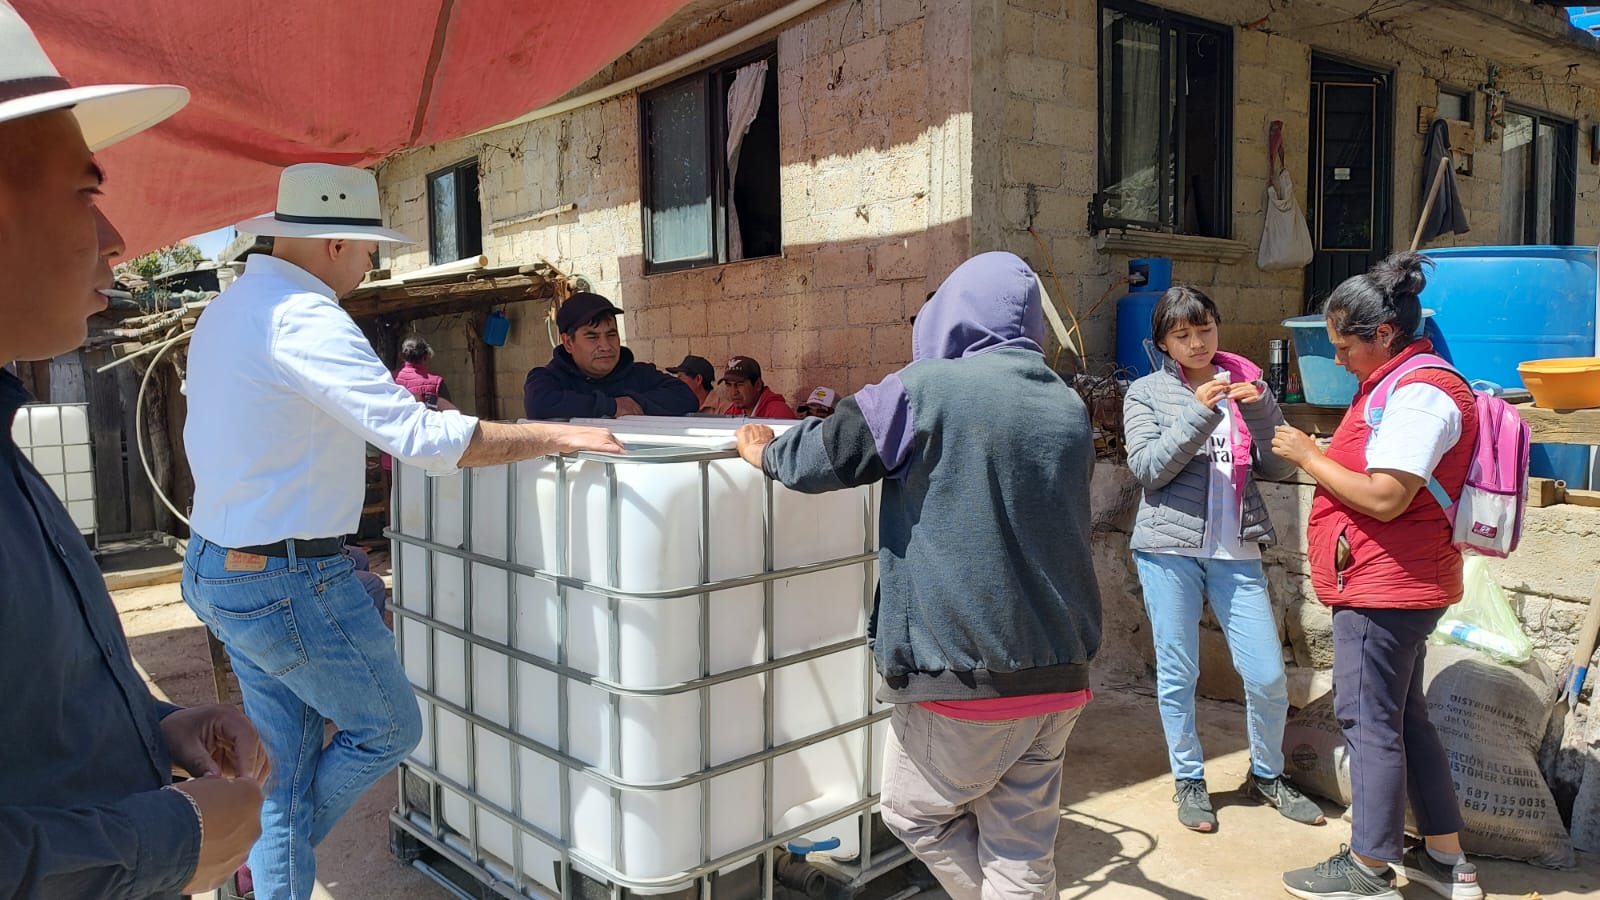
(303, 548)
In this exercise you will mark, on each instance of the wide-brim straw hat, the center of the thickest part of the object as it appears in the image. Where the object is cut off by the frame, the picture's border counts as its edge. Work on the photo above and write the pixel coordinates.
(106, 113)
(320, 200)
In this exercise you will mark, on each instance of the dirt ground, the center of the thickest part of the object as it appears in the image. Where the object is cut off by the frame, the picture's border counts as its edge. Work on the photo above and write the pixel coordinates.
(1120, 839)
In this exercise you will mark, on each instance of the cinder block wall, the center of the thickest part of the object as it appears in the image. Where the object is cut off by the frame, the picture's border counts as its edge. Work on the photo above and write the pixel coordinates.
(1035, 65)
(875, 131)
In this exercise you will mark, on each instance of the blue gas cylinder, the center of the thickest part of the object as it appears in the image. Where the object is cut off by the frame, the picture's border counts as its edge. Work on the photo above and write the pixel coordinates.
(1148, 280)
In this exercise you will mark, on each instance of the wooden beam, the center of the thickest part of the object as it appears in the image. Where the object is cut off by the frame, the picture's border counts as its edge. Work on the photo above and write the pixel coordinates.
(404, 297)
(1582, 498)
(105, 438)
(1318, 420)
(1542, 492)
(483, 386)
(1555, 426)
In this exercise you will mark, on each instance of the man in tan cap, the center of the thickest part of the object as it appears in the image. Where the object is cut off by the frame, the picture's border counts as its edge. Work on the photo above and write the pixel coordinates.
(285, 392)
(87, 749)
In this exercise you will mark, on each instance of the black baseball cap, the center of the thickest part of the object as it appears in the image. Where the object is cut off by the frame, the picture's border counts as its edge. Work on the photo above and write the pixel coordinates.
(583, 308)
(698, 366)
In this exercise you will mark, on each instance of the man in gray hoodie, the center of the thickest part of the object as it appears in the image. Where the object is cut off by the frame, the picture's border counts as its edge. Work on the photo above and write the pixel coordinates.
(988, 613)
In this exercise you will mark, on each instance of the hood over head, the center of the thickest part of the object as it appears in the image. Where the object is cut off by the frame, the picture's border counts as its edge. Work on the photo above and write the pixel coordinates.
(990, 302)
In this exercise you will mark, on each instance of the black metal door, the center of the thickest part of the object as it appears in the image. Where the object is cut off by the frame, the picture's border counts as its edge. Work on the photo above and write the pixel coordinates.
(1350, 182)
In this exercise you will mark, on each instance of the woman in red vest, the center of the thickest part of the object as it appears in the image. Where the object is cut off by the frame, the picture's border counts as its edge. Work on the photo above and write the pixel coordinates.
(1381, 557)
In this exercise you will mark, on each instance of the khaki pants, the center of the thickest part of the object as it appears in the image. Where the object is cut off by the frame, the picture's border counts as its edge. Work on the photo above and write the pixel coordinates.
(978, 802)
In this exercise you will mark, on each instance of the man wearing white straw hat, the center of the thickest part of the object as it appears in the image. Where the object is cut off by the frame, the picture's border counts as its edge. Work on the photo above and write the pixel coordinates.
(284, 393)
(86, 750)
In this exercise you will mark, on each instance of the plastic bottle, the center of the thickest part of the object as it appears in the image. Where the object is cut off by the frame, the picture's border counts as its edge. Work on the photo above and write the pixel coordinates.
(1479, 638)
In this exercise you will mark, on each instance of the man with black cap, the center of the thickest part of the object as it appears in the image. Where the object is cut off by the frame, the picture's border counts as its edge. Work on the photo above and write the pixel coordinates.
(87, 803)
(751, 396)
(591, 375)
(697, 373)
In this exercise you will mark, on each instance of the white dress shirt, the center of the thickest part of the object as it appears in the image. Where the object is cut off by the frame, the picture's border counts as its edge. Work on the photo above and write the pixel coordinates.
(284, 394)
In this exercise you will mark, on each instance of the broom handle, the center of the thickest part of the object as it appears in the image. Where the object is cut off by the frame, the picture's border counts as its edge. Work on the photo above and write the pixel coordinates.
(1585, 647)
(1433, 194)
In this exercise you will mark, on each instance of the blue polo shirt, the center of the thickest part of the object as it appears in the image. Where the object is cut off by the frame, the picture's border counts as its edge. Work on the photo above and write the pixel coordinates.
(82, 759)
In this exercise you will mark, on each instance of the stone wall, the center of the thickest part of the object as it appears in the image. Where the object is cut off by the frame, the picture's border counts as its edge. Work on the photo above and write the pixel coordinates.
(1037, 60)
(875, 135)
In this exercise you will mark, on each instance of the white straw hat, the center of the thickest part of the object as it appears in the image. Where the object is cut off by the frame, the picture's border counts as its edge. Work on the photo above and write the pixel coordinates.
(107, 113)
(320, 200)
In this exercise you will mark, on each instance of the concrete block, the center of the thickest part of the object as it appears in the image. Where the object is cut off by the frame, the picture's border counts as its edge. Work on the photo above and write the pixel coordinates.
(840, 267)
(1044, 7)
(1060, 125)
(1035, 77)
(772, 314)
(822, 309)
(891, 344)
(1017, 29)
(746, 279)
(878, 304)
(688, 320)
(905, 45)
(1057, 38)
(1017, 119)
(1032, 164)
(906, 257)
(865, 60)
(897, 13)
(1307, 685)
(1310, 626)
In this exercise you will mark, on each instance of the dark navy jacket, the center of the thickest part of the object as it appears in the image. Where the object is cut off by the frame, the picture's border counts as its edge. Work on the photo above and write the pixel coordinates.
(82, 759)
(986, 587)
(560, 390)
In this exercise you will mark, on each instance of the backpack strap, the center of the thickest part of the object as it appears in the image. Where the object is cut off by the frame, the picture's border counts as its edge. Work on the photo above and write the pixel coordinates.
(1379, 397)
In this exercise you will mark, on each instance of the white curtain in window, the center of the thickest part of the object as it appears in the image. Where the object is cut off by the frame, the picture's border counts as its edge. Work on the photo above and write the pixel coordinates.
(1132, 138)
(1516, 178)
(744, 102)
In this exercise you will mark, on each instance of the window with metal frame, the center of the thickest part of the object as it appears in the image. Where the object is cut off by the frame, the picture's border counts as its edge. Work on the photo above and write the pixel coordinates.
(455, 218)
(1166, 122)
(1538, 178)
(709, 166)
(1454, 104)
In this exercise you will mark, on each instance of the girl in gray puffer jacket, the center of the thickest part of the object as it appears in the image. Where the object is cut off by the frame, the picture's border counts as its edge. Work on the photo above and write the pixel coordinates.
(1196, 431)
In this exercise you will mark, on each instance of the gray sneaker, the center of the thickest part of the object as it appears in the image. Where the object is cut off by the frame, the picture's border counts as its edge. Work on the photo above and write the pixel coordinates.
(1339, 878)
(1288, 799)
(1194, 805)
(1457, 883)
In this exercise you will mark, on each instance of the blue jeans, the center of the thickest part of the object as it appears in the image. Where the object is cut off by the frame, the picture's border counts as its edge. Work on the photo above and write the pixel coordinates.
(306, 644)
(1174, 589)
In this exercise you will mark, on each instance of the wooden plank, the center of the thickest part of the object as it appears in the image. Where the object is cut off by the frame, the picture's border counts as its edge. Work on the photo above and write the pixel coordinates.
(483, 392)
(1319, 420)
(141, 499)
(1552, 426)
(105, 436)
(1582, 498)
(1542, 492)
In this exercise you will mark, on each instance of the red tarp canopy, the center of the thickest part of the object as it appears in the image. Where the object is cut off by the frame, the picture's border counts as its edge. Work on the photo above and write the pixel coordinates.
(341, 81)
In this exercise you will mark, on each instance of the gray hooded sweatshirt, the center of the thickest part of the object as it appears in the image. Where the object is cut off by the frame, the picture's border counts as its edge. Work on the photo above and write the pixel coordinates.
(986, 587)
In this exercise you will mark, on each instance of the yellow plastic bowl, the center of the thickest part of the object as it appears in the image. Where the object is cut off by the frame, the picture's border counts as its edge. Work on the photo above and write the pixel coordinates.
(1572, 383)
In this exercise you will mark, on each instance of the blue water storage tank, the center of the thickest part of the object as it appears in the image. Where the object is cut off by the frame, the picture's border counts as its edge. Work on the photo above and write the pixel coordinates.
(1495, 307)
(1149, 279)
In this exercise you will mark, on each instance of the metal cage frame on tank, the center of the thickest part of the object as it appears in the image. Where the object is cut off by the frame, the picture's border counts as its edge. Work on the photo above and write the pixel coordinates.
(773, 865)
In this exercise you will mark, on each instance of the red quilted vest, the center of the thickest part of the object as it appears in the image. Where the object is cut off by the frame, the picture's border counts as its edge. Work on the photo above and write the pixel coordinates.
(417, 379)
(1408, 562)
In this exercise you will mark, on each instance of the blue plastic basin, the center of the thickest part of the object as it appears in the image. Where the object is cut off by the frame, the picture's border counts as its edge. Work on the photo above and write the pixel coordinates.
(1322, 380)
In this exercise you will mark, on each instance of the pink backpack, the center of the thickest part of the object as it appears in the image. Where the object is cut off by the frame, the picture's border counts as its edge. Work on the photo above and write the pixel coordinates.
(1487, 518)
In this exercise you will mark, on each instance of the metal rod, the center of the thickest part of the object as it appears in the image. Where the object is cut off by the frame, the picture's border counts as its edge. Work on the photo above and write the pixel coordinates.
(467, 649)
(513, 693)
(563, 684)
(742, 854)
(607, 591)
(582, 677)
(604, 777)
(705, 666)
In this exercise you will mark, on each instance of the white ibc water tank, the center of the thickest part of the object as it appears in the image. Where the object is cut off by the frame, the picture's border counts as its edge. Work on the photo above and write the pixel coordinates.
(55, 437)
(599, 642)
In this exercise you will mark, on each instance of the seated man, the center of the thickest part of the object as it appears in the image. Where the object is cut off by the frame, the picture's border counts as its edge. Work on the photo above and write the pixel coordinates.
(818, 403)
(751, 396)
(697, 373)
(591, 375)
